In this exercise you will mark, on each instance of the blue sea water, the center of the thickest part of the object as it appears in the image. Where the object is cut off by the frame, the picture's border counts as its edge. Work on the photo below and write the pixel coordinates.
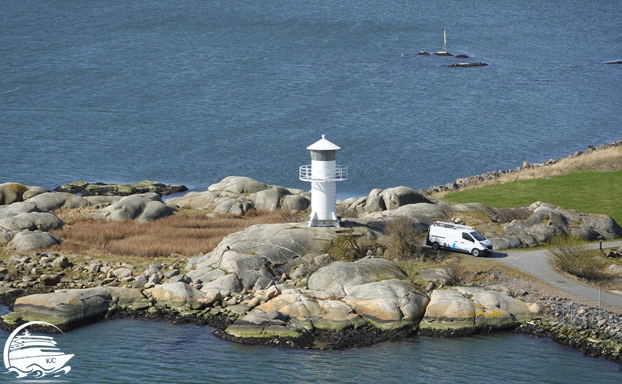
(136, 351)
(190, 92)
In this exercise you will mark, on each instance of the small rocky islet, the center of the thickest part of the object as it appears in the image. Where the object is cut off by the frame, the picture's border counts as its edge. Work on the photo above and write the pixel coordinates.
(274, 284)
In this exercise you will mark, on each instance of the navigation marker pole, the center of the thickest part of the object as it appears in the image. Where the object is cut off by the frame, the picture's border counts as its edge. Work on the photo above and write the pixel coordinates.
(599, 311)
(444, 38)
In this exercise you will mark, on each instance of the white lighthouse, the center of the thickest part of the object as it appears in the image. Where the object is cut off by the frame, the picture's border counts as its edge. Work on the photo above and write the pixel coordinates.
(323, 173)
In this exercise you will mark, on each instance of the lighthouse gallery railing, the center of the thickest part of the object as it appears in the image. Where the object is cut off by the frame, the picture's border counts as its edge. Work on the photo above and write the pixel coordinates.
(340, 173)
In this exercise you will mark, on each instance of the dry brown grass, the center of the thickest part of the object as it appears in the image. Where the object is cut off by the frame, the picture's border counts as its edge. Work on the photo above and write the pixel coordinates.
(187, 233)
(604, 160)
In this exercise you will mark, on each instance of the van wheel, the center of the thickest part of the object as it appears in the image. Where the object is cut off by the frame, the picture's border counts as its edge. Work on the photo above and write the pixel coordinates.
(436, 246)
(475, 252)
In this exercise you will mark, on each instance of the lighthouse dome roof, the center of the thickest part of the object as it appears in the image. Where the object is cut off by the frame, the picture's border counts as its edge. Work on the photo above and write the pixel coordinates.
(323, 145)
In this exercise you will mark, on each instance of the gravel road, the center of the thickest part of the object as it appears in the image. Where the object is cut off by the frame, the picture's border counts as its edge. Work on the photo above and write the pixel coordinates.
(537, 264)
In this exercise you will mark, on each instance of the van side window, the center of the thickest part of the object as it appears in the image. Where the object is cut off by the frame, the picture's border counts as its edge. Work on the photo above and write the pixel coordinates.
(467, 237)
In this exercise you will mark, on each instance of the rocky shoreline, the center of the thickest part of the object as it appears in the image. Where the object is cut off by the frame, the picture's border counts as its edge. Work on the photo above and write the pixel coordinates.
(582, 326)
(493, 175)
(276, 284)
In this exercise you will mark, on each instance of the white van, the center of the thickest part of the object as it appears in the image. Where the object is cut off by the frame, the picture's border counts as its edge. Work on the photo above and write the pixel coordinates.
(458, 237)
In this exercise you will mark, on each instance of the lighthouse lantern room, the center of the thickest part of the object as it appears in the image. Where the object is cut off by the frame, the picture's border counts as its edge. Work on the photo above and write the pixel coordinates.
(323, 173)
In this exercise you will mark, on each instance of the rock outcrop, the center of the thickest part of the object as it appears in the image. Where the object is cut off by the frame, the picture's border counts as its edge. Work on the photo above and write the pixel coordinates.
(142, 208)
(101, 189)
(16, 192)
(51, 201)
(548, 220)
(238, 195)
(387, 304)
(339, 277)
(24, 227)
(260, 251)
(463, 310)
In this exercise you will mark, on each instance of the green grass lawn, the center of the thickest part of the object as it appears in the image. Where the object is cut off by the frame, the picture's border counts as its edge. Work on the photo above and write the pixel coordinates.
(589, 192)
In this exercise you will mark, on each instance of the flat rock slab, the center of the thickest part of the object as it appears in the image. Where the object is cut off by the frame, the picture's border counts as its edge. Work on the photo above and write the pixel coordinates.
(65, 308)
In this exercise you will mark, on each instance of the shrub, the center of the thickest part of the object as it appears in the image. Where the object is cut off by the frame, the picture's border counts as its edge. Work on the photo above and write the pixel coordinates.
(569, 254)
(350, 247)
(291, 215)
(404, 238)
(344, 212)
(454, 271)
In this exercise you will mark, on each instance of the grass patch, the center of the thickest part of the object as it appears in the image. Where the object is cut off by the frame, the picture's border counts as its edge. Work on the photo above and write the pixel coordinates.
(589, 192)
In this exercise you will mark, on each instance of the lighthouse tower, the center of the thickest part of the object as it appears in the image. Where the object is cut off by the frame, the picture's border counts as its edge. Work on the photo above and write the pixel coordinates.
(323, 173)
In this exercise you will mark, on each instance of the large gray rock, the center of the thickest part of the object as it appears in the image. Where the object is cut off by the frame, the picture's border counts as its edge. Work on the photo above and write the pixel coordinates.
(246, 267)
(269, 199)
(225, 284)
(425, 213)
(584, 232)
(278, 243)
(16, 192)
(26, 216)
(62, 308)
(34, 191)
(604, 225)
(398, 196)
(505, 242)
(548, 221)
(389, 303)
(102, 201)
(295, 203)
(31, 221)
(374, 204)
(16, 209)
(142, 208)
(50, 201)
(11, 192)
(237, 195)
(5, 237)
(31, 241)
(237, 185)
(226, 192)
(338, 277)
(176, 295)
(127, 297)
(470, 309)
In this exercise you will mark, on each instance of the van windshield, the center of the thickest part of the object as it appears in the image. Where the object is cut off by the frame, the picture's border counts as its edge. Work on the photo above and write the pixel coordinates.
(477, 236)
